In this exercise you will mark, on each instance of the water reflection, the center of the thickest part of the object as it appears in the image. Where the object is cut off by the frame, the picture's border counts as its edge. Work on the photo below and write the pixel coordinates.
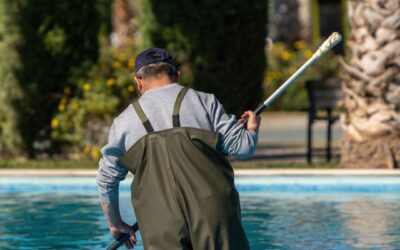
(371, 221)
(292, 222)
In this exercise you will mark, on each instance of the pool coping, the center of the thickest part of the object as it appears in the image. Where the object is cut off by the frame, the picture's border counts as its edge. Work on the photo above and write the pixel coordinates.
(239, 172)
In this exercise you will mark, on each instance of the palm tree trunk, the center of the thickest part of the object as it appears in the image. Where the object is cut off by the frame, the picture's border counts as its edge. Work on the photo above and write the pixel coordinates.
(123, 22)
(371, 81)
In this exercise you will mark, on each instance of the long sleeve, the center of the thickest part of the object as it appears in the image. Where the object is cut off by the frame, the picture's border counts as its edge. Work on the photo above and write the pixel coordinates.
(236, 140)
(110, 172)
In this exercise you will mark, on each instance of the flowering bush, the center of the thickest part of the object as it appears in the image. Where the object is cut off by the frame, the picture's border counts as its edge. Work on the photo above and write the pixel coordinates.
(89, 104)
(284, 61)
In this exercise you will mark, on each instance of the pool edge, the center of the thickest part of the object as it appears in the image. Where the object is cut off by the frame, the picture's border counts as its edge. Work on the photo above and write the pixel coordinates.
(239, 172)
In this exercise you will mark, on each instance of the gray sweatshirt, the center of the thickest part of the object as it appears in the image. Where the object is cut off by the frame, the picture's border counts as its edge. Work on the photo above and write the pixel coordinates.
(198, 110)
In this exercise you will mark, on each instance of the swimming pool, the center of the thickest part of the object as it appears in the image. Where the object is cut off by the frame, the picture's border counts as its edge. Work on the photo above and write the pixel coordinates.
(279, 212)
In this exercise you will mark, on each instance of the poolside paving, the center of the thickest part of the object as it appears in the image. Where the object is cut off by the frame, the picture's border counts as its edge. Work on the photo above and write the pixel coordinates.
(282, 138)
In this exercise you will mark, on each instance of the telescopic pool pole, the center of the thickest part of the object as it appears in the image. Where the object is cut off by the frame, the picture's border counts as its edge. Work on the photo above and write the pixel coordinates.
(327, 45)
(122, 239)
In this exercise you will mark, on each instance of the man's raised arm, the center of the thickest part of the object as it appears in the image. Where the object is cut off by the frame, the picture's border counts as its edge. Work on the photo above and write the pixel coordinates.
(236, 140)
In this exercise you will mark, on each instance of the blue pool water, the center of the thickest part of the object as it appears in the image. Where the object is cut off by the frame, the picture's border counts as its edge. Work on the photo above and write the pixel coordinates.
(292, 212)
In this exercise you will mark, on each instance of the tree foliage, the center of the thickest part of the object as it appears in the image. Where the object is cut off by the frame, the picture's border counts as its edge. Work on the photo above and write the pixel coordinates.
(219, 45)
(43, 40)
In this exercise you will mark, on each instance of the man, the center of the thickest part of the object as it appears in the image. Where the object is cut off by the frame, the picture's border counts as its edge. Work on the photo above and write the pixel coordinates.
(173, 140)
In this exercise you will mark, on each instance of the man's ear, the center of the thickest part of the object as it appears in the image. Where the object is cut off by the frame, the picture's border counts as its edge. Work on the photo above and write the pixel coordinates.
(139, 82)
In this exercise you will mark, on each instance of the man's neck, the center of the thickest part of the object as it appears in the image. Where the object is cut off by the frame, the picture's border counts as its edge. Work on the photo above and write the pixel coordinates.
(155, 83)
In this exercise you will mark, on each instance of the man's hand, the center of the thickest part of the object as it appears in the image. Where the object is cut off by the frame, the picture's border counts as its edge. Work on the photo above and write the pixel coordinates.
(117, 225)
(123, 228)
(254, 121)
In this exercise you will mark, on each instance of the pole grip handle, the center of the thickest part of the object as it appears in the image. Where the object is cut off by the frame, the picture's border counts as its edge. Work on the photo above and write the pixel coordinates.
(258, 111)
(122, 239)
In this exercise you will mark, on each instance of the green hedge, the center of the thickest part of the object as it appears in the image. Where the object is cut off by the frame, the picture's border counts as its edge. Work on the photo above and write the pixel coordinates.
(218, 44)
(44, 40)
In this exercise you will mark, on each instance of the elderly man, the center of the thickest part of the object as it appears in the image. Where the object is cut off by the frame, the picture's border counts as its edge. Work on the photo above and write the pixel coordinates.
(173, 139)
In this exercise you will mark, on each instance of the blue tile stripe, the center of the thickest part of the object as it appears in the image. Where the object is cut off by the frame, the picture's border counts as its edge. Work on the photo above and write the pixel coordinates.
(374, 184)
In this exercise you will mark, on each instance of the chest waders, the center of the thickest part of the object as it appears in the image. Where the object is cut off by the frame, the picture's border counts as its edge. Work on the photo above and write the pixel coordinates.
(183, 192)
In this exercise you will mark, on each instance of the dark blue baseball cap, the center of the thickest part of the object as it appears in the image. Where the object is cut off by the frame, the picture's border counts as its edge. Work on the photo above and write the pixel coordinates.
(153, 55)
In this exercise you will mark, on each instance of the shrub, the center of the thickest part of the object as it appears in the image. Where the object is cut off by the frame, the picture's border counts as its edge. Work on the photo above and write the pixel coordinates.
(84, 115)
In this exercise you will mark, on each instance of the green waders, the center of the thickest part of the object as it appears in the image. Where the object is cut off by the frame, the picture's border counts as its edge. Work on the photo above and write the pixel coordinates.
(183, 192)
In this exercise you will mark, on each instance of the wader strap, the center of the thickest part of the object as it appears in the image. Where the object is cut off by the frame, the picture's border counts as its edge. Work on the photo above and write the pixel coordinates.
(175, 115)
(142, 116)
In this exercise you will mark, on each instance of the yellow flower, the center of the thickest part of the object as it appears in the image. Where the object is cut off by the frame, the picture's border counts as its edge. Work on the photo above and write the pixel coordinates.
(86, 86)
(122, 56)
(63, 101)
(54, 123)
(61, 107)
(131, 63)
(67, 90)
(278, 47)
(110, 82)
(116, 65)
(276, 74)
(75, 105)
(307, 54)
(286, 56)
(96, 153)
(270, 77)
(86, 149)
(131, 88)
(299, 44)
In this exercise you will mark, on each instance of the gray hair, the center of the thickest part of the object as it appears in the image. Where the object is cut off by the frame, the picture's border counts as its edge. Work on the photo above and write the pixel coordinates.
(157, 69)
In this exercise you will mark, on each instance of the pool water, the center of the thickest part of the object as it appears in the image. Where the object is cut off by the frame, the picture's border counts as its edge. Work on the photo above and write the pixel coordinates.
(278, 213)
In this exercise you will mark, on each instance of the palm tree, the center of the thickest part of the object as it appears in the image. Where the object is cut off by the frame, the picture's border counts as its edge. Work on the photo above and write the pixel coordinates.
(371, 82)
(123, 20)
